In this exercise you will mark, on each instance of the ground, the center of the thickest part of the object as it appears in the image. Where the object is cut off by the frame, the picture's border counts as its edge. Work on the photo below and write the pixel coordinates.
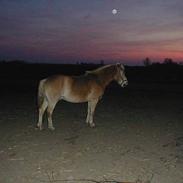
(138, 136)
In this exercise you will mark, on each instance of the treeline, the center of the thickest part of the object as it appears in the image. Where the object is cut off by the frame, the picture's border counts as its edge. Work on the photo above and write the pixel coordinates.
(165, 72)
(167, 62)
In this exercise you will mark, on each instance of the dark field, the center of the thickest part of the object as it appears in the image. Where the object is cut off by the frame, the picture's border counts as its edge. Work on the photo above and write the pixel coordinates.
(138, 135)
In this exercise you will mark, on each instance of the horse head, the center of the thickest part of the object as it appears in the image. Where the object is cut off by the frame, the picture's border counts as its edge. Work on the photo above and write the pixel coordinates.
(120, 75)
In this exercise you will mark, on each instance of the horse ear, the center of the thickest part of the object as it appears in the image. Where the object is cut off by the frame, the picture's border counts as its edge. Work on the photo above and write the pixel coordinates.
(119, 65)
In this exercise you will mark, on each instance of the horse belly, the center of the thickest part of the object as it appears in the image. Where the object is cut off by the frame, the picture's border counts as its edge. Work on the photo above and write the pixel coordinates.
(78, 93)
(74, 98)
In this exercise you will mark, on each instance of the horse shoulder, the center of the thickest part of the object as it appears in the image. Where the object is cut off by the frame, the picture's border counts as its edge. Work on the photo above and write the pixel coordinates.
(96, 89)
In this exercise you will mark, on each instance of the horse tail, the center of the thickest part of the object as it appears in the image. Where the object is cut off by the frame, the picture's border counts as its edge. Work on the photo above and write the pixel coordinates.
(41, 92)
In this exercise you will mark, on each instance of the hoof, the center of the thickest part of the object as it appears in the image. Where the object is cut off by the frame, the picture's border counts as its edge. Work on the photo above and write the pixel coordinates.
(51, 128)
(38, 128)
(92, 125)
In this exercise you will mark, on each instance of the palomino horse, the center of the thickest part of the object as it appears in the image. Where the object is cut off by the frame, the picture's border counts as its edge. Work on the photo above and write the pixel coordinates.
(86, 88)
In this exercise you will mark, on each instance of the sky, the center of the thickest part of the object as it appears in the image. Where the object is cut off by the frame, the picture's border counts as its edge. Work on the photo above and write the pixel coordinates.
(70, 31)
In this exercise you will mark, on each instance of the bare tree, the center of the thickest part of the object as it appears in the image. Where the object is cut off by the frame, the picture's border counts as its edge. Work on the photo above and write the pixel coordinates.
(147, 62)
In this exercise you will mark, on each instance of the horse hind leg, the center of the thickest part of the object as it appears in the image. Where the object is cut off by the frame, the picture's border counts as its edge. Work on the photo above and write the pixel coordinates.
(88, 113)
(42, 109)
(49, 114)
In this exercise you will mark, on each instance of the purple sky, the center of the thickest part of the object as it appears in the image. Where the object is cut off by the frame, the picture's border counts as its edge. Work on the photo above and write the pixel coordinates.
(86, 30)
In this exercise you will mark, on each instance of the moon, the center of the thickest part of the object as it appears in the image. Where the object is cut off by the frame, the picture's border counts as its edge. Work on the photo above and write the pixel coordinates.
(114, 11)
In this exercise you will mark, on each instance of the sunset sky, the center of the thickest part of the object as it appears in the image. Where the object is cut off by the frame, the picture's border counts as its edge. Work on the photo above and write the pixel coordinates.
(69, 31)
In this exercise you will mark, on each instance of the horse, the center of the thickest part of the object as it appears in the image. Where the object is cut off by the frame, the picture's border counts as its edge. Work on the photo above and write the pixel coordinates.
(77, 89)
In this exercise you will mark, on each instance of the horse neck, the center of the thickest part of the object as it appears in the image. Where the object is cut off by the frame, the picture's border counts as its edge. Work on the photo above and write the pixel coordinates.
(107, 75)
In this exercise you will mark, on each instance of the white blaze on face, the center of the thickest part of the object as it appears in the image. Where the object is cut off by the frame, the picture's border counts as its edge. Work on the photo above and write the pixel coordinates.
(114, 11)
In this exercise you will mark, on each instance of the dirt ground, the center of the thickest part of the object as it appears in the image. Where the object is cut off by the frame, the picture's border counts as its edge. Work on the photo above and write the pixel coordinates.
(138, 136)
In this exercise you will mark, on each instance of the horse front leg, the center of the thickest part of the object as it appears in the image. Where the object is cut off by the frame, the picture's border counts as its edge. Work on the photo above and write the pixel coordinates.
(93, 104)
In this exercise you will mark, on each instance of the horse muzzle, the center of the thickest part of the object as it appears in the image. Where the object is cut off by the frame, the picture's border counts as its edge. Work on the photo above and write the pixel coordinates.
(123, 83)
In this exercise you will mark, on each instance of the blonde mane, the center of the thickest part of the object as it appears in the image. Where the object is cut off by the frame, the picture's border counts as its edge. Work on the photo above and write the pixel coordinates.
(98, 70)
